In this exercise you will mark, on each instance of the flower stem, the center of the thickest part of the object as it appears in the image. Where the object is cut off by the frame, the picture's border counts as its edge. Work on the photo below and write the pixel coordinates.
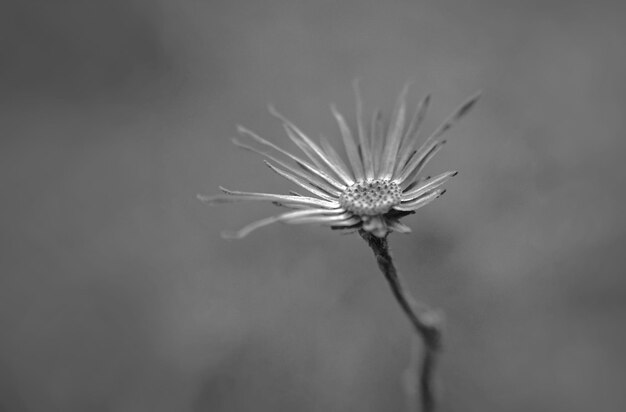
(426, 321)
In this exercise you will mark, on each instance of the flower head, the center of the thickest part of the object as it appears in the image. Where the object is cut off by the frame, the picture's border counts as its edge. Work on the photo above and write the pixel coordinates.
(379, 184)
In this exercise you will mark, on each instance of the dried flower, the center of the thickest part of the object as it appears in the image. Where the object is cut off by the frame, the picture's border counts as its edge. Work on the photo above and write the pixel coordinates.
(377, 186)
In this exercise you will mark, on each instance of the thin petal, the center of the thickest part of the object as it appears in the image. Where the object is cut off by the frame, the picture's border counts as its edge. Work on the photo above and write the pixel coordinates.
(236, 196)
(346, 223)
(305, 165)
(430, 184)
(351, 148)
(411, 135)
(418, 117)
(417, 163)
(396, 129)
(415, 173)
(420, 202)
(300, 182)
(305, 148)
(246, 230)
(378, 140)
(289, 205)
(296, 206)
(314, 152)
(333, 155)
(461, 111)
(364, 142)
(309, 147)
(321, 219)
(306, 176)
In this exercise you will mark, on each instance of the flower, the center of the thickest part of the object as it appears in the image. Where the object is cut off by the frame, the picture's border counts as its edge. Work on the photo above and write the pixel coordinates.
(377, 186)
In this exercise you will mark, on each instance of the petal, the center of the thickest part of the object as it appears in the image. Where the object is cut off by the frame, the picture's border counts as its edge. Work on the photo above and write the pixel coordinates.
(420, 202)
(246, 230)
(411, 135)
(306, 145)
(300, 182)
(378, 140)
(364, 142)
(417, 163)
(333, 155)
(351, 148)
(305, 148)
(321, 219)
(461, 111)
(314, 152)
(396, 129)
(427, 185)
(305, 165)
(308, 177)
(346, 223)
(413, 175)
(236, 196)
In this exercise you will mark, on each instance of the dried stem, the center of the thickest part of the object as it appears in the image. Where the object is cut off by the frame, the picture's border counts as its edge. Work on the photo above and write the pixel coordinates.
(426, 321)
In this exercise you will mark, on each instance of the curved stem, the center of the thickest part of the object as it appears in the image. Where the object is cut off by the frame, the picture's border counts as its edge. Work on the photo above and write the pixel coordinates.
(426, 321)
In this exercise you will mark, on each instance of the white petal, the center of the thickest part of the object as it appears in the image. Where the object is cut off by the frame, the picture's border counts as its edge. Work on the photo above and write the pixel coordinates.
(246, 230)
(306, 176)
(364, 142)
(307, 166)
(232, 196)
(351, 148)
(419, 202)
(301, 182)
(427, 185)
(412, 133)
(417, 163)
(396, 129)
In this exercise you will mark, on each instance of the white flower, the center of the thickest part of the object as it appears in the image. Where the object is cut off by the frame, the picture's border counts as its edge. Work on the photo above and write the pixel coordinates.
(377, 186)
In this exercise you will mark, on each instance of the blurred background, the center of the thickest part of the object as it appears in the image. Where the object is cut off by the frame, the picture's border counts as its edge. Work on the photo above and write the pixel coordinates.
(117, 293)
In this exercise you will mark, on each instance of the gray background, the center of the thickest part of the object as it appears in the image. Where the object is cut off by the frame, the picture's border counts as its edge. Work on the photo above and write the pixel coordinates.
(117, 294)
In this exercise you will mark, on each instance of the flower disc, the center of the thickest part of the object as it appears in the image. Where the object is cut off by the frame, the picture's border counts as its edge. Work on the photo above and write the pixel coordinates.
(370, 198)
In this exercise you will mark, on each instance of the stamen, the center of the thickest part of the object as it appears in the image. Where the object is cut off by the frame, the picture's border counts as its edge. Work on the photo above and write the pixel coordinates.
(371, 198)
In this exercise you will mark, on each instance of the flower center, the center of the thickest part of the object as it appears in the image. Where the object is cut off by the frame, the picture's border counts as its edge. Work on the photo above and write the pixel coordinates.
(370, 198)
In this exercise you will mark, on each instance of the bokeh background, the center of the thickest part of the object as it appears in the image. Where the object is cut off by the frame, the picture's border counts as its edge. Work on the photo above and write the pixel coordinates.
(117, 293)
